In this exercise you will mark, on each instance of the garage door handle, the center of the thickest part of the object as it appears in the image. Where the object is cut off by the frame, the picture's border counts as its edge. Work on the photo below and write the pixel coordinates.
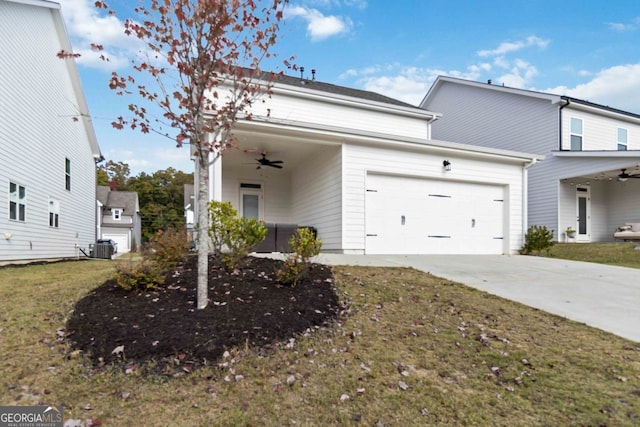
(402, 219)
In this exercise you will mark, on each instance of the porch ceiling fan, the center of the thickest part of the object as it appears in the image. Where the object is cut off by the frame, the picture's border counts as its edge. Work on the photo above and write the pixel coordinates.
(263, 161)
(623, 175)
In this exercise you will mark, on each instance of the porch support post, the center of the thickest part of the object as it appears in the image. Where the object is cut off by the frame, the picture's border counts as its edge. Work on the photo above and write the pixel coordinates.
(215, 176)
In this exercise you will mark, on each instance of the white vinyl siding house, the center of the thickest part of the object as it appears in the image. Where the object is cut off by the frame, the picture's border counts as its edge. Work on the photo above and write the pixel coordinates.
(337, 143)
(47, 159)
(577, 184)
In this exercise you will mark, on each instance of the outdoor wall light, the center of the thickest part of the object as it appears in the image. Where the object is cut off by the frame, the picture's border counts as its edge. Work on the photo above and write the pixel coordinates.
(446, 165)
(8, 236)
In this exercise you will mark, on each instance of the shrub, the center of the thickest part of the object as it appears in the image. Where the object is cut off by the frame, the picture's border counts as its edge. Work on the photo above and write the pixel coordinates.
(139, 275)
(304, 245)
(240, 236)
(220, 215)
(168, 248)
(537, 240)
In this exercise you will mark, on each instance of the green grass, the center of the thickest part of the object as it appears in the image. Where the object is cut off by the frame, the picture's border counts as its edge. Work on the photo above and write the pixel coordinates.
(412, 350)
(621, 254)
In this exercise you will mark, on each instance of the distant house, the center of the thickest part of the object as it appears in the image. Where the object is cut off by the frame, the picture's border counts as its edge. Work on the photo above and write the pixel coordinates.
(119, 214)
(591, 151)
(363, 171)
(48, 146)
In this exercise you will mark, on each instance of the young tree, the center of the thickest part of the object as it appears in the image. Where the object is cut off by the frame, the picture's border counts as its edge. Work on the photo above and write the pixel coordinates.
(203, 63)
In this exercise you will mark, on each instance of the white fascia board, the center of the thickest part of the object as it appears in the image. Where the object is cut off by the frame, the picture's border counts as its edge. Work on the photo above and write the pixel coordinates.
(334, 134)
(602, 112)
(608, 154)
(364, 104)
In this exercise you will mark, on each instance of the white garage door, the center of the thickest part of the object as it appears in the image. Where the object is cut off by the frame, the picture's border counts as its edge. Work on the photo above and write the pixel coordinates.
(421, 216)
(121, 239)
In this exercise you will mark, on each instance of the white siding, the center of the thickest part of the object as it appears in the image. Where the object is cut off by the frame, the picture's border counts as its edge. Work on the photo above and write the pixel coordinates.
(317, 196)
(275, 190)
(37, 133)
(598, 132)
(355, 117)
(420, 163)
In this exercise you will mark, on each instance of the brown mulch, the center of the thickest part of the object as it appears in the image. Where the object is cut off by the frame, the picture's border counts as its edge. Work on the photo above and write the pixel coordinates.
(247, 307)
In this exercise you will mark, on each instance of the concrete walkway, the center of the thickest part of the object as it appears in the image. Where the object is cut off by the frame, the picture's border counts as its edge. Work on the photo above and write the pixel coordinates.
(602, 296)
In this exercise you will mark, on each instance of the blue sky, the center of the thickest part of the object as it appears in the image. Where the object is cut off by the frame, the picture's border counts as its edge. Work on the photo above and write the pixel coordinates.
(589, 50)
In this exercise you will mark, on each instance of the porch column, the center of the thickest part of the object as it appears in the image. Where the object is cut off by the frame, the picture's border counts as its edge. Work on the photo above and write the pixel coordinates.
(215, 177)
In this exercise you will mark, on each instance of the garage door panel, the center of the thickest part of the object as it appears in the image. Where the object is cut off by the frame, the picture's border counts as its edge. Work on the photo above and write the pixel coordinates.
(413, 216)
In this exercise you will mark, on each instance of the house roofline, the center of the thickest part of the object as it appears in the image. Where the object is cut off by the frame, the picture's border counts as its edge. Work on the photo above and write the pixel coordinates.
(554, 99)
(440, 80)
(353, 101)
(72, 68)
(340, 135)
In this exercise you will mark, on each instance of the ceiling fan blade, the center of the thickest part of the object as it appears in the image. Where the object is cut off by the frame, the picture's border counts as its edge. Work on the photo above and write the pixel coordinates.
(275, 166)
(275, 161)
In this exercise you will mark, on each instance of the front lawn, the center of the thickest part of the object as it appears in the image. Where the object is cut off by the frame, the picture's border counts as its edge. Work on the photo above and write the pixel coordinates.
(620, 253)
(401, 348)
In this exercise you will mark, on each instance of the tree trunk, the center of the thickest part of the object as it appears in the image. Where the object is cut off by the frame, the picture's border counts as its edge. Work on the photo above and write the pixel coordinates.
(203, 232)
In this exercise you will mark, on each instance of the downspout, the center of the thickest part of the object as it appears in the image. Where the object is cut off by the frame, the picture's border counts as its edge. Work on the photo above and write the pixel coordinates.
(567, 102)
(429, 122)
(525, 196)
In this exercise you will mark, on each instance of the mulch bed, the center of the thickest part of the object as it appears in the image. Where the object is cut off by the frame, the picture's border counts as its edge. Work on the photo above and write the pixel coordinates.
(247, 307)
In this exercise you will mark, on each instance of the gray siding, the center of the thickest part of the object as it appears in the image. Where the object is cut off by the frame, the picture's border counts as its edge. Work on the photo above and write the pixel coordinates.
(494, 119)
(37, 134)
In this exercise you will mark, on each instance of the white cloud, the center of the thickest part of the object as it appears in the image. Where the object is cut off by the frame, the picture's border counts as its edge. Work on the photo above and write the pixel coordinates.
(408, 84)
(86, 24)
(519, 75)
(508, 47)
(319, 26)
(618, 27)
(618, 87)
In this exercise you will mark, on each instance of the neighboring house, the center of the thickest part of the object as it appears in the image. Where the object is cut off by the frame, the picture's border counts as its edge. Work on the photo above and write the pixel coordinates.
(587, 147)
(48, 146)
(189, 210)
(119, 218)
(362, 170)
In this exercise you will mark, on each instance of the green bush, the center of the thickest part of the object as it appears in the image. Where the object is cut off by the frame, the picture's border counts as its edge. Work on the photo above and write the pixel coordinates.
(304, 245)
(537, 240)
(240, 236)
(139, 275)
(168, 248)
(220, 215)
(231, 234)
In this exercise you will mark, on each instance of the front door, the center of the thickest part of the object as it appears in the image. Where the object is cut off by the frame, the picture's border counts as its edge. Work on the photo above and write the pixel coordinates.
(583, 210)
(251, 201)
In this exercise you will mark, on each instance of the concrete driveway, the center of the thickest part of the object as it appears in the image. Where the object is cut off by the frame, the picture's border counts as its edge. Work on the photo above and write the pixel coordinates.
(602, 296)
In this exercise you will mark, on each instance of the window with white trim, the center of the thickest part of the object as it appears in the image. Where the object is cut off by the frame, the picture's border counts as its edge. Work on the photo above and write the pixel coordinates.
(576, 134)
(622, 139)
(17, 202)
(54, 213)
(67, 174)
(116, 214)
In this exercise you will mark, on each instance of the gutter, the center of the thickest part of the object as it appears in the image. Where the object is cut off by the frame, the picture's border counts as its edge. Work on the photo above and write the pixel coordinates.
(525, 195)
(567, 102)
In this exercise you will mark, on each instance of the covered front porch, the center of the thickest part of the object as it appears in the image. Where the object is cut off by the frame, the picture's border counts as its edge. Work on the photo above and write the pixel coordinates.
(284, 176)
(603, 194)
